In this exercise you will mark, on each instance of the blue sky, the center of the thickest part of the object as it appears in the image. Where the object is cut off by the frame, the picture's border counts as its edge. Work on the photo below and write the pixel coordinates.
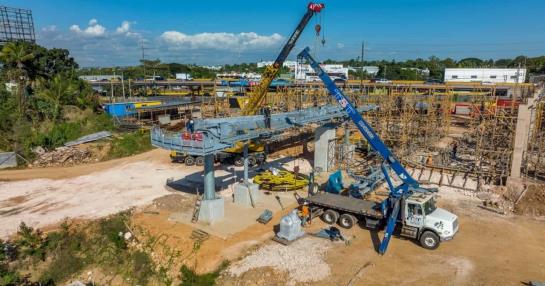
(104, 33)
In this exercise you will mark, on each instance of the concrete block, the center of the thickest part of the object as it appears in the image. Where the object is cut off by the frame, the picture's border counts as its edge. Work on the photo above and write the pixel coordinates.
(212, 211)
(242, 194)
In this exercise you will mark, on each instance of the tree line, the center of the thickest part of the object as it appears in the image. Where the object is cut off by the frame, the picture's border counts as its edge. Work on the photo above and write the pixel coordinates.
(42, 101)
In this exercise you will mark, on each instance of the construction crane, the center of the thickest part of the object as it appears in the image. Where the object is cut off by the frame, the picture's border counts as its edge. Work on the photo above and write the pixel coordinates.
(258, 95)
(399, 193)
(257, 151)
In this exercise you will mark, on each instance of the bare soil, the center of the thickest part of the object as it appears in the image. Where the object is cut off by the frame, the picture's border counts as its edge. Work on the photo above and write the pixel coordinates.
(532, 202)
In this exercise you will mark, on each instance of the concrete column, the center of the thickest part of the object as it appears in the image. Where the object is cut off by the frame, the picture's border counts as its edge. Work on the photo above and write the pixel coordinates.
(209, 180)
(212, 209)
(522, 131)
(246, 194)
(246, 163)
(322, 136)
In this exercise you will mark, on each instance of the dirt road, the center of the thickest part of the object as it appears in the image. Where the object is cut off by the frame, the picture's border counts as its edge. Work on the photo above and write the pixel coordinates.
(156, 155)
(47, 196)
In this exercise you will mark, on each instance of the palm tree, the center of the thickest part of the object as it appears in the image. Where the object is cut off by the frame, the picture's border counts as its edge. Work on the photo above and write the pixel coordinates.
(14, 55)
(55, 90)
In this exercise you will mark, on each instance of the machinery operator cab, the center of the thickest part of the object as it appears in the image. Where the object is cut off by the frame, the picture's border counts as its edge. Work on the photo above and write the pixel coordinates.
(422, 213)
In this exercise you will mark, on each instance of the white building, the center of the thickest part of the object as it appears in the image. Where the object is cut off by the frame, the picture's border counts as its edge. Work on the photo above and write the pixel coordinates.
(306, 73)
(370, 70)
(289, 64)
(485, 75)
(214, 68)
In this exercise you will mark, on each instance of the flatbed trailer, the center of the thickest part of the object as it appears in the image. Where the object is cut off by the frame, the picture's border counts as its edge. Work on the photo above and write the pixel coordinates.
(345, 210)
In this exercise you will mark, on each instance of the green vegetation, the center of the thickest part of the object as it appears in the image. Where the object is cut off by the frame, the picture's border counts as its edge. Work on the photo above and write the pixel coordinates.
(130, 144)
(406, 70)
(110, 245)
(44, 93)
(148, 68)
(190, 278)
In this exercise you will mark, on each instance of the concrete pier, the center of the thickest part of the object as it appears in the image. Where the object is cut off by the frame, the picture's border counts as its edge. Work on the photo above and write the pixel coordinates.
(212, 208)
(323, 154)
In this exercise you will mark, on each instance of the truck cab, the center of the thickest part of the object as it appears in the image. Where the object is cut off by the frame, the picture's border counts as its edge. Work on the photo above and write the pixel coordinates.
(424, 221)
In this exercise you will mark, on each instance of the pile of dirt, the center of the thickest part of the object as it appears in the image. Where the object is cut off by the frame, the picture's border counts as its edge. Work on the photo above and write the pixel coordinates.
(532, 202)
(174, 203)
(62, 156)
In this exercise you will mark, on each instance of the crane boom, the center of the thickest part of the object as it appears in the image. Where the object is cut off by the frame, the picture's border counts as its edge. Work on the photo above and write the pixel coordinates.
(396, 192)
(258, 95)
(364, 127)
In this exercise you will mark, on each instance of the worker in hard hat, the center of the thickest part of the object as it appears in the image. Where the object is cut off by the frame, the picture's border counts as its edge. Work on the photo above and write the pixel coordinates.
(304, 214)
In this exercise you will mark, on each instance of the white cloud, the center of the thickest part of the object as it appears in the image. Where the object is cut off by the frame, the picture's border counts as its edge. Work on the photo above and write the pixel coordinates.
(93, 30)
(124, 28)
(220, 41)
(340, 45)
(97, 45)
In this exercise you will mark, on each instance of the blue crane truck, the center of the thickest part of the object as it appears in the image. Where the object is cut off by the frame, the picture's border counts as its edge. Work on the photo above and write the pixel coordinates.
(408, 210)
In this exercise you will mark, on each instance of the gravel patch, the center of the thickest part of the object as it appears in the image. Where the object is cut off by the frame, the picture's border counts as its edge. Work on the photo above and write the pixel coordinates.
(303, 260)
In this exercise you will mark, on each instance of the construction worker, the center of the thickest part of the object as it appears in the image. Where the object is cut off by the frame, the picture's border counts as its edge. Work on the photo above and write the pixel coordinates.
(267, 112)
(304, 214)
(190, 125)
(454, 150)
(429, 160)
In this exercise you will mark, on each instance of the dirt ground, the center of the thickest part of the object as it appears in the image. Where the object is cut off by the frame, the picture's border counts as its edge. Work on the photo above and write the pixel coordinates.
(490, 249)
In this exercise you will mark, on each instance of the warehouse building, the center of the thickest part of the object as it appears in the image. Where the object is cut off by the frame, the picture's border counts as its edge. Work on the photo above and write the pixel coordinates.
(305, 72)
(485, 75)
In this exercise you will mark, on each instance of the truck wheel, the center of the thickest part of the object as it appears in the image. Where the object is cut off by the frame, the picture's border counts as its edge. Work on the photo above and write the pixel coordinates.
(347, 221)
(239, 161)
(189, 161)
(199, 161)
(330, 216)
(429, 240)
(252, 161)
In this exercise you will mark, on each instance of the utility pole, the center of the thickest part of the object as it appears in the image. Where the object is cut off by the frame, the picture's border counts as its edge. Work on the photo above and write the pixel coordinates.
(130, 91)
(112, 87)
(122, 85)
(361, 72)
(143, 57)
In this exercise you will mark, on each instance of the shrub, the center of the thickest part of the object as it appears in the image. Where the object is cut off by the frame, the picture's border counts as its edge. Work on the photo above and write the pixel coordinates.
(190, 278)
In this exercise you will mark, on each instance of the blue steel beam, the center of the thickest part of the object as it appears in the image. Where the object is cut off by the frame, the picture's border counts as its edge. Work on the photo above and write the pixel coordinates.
(216, 134)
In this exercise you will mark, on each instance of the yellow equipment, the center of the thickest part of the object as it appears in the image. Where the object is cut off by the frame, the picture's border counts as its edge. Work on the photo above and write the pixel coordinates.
(258, 95)
(282, 181)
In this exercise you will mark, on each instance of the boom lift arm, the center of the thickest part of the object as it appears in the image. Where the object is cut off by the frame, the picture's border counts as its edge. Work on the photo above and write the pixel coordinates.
(396, 192)
(257, 97)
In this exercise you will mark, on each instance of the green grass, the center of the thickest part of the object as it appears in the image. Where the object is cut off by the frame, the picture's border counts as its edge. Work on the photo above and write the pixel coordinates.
(130, 144)
(190, 278)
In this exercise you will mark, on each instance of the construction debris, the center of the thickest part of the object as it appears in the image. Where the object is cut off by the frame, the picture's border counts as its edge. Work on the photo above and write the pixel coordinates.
(62, 156)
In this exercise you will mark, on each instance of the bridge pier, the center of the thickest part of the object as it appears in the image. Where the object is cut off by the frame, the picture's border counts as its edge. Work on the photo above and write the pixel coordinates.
(323, 153)
(246, 194)
(212, 208)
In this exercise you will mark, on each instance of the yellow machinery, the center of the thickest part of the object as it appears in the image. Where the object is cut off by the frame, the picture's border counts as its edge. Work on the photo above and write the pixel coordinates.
(281, 181)
(255, 100)
(250, 105)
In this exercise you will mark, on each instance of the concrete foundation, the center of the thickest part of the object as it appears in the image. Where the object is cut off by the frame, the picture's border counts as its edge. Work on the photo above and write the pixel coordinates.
(322, 149)
(245, 194)
(212, 211)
